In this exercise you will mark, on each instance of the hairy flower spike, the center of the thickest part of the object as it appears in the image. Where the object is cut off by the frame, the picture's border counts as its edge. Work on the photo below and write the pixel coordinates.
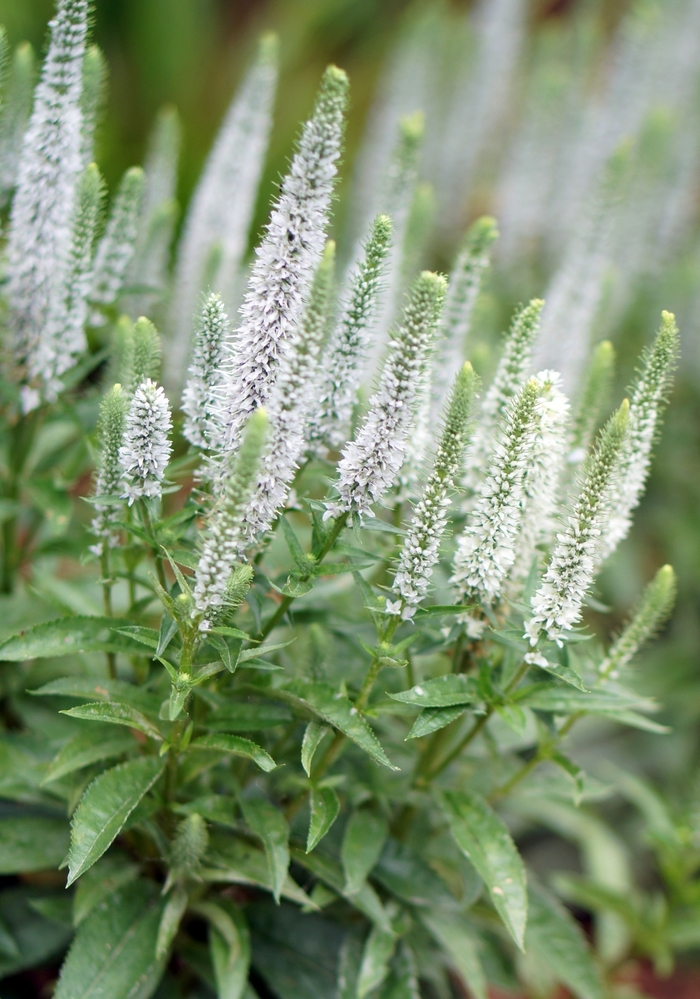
(92, 99)
(646, 406)
(43, 208)
(116, 248)
(371, 462)
(422, 543)
(199, 398)
(592, 401)
(557, 603)
(285, 262)
(222, 206)
(108, 480)
(142, 356)
(653, 609)
(343, 358)
(145, 453)
(290, 402)
(226, 526)
(487, 548)
(15, 111)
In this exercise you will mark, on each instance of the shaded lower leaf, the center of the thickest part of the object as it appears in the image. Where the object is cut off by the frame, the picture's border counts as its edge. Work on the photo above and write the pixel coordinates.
(271, 827)
(313, 734)
(433, 719)
(114, 953)
(349, 964)
(557, 939)
(376, 955)
(105, 807)
(32, 843)
(173, 912)
(233, 861)
(237, 746)
(231, 960)
(363, 840)
(109, 873)
(90, 688)
(458, 939)
(91, 746)
(483, 837)
(324, 811)
(402, 982)
(327, 870)
(37, 939)
(406, 875)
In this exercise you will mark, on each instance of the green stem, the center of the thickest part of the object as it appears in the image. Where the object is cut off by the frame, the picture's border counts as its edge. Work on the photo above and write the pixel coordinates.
(148, 524)
(107, 601)
(539, 757)
(21, 438)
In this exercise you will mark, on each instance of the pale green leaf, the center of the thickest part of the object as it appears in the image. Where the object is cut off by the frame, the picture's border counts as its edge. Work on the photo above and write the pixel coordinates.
(66, 636)
(271, 827)
(442, 692)
(402, 982)
(91, 688)
(237, 746)
(173, 912)
(433, 719)
(364, 838)
(32, 843)
(104, 808)
(460, 942)
(313, 734)
(558, 940)
(114, 713)
(324, 806)
(376, 955)
(247, 717)
(231, 961)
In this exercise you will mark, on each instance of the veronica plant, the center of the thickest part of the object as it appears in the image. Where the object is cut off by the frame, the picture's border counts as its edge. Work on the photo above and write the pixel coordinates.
(277, 722)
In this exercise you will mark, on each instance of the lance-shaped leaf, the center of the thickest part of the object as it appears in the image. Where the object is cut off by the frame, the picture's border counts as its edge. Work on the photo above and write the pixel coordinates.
(114, 713)
(555, 937)
(104, 808)
(114, 953)
(236, 862)
(327, 870)
(457, 937)
(31, 843)
(338, 710)
(270, 826)
(433, 719)
(406, 875)
(237, 746)
(89, 688)
(102, 880)
(324, 811)
(66, 636)
(313, 734)
(483, 837)
(443, 692)
(170, 920)
(375, 960)
(364, 838)
(91, 746)
(230, 955)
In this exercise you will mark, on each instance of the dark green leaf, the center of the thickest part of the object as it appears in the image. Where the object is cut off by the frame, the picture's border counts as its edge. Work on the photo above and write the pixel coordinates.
(324, 806)
(234, 861)
(115, 713)
(231, 959)
(109, 873)
(105, 807)
(557, 940)
(91, 746)
(173, 912)
(237, 746)
(68, 635)
(483, 837)
(406, 875)
(375, 960)
(457, 937)
(443, 692)
(32, 843)
(564, 700)
(433, 719)
(365, 900)
(90, 688)
(114, 953)
(363, 841)
(270, 826)
(37, 939)
(146, 636)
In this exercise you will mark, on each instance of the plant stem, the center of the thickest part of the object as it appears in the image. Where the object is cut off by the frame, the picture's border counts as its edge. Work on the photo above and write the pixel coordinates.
(107, 601)
(538, 758)
(148, 524)
(21, 438)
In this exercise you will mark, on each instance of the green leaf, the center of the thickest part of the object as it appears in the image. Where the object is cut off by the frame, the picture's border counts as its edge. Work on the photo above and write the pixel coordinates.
(38, 940)
(90, 688)
(564, 700)
(114, 952)
(8, 944)
(114, 713)
(237, 746)
(406, 875)
(271, 827)
(109, 873)
(104, 808)
(349, 964)
(67, 635)
(88, 747)
(443, 692)
(327, 870)
(262, 650)
(573, 770)
(557, 939)
(303, 562)
(32, 843)
(483, 837)
(146, 636)
(433, 719)
(565, 673)
(324, 811)
(230, 632)
(237, 862)
(313, 734)
(402, 982)
(375, 960)
(514, 717)
(364, 838)
(457, 937)
(169, 924)
(231, 960)
(248, 717)
(338, 710)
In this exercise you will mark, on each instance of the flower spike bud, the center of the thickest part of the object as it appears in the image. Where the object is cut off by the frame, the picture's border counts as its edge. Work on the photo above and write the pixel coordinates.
(372, 461)
(285, 262)
(486, 549)
(145, 453)
(92, 100)
(646, 407)
(14, 113)
(43, 209)
(216, 218)
(344, 355)
(116, 248)
(225, 528)
(557, 603)
(543, 475)
(464, 286)
(143, 354)
(289, 402)
(109, 472)
(593, 400)
(198, 400)
(653, 609)
(421, 546)
(507, 382)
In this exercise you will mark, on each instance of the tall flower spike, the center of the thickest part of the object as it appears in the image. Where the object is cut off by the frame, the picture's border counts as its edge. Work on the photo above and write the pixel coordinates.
(15, 111)
(290, 402)
(198, 399)
(226, 523)
(463, 290)
(556, 605)
(344, 355)
(421, 545)
(510, 377)
(42, 214)
(646, 406)
(543, 476)
(63, 339)
(221, 208)
(486, 550)
(285, 262)
(116, 248)
(142, 354)
(108, 481)
(371, 462)
(92, 100)
(653, 609)
(145, 453)
(592, 401)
